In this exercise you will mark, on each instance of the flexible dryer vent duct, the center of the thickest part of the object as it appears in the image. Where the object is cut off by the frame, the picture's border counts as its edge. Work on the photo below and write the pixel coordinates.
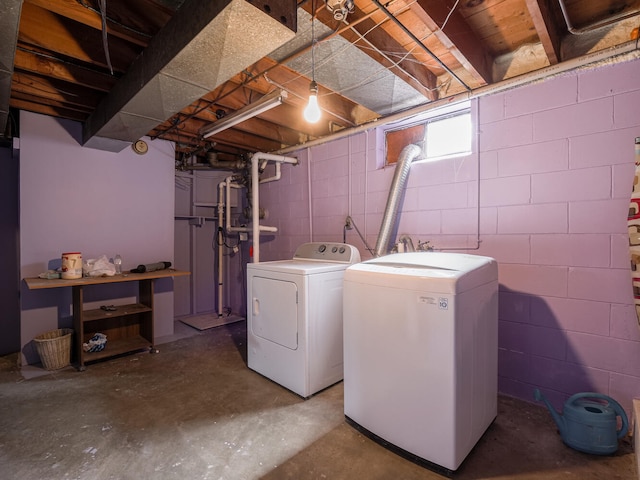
(407, 156)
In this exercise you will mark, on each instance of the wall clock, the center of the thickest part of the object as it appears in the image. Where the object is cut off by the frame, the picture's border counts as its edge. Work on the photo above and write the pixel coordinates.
(140, 147)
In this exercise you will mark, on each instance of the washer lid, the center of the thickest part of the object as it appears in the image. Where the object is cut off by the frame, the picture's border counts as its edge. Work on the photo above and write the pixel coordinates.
(426, 271)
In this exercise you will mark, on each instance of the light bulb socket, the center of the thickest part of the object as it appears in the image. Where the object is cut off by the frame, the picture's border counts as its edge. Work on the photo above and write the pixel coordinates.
(313, 87)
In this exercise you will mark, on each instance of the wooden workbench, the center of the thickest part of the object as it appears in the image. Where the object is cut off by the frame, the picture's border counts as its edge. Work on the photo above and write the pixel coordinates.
(128, 328)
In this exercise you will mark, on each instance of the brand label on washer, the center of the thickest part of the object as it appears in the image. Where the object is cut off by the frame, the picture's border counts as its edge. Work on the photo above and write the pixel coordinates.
(443, 303)
(427, 300)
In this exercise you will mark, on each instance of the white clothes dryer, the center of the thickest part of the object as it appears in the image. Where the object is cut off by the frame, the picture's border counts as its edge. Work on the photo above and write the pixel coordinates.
(294, 317)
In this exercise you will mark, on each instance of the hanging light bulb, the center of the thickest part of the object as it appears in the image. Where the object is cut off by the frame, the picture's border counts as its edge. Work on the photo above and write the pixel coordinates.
(312, 111)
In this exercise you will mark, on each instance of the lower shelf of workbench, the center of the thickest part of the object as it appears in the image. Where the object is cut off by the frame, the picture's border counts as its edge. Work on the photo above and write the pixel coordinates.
(119, 347)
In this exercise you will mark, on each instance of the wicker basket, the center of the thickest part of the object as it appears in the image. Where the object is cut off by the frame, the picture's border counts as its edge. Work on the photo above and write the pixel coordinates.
(54, 348)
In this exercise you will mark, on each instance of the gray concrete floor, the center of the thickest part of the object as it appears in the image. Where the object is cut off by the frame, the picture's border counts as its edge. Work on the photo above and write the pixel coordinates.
(195, 411)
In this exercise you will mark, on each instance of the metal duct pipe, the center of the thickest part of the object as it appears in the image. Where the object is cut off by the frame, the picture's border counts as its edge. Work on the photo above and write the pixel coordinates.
(214, 164)
(212, 159)
(407, 156)
(593, 26)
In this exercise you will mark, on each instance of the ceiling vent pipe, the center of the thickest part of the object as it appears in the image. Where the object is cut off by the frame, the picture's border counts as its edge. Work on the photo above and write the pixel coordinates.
(213, 163)
(407, 156)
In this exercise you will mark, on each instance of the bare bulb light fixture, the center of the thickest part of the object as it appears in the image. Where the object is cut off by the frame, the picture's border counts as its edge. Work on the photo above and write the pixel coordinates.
(312, 111)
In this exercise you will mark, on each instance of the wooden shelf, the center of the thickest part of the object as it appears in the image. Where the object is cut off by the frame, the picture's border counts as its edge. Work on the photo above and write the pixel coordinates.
(120, 311)
(39, 283)
(119, 347)
(129, 328)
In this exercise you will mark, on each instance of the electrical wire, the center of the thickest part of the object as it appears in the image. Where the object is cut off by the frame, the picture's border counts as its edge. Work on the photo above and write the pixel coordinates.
(446, 20)
(221, 240)
(115, 22)
(105, 39)
(344, 235)
(404, 28)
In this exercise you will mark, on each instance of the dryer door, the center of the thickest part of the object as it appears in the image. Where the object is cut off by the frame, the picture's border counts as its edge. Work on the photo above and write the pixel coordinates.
(274, 311)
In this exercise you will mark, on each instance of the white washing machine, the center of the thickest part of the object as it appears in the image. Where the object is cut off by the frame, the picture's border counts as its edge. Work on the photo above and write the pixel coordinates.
(294, 317)
(421, 353)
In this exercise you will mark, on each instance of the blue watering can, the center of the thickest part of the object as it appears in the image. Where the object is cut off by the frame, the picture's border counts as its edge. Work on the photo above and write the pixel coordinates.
(589, 422)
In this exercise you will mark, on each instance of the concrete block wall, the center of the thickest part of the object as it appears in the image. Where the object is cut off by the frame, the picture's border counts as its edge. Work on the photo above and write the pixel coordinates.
(545, 192)
(567, 322)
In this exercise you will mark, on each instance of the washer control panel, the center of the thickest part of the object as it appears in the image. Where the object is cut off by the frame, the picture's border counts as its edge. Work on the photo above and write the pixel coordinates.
(328, 252)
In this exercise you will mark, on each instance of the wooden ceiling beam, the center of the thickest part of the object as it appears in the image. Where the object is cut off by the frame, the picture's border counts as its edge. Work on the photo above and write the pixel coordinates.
(45, 29)
(80, 13)
(45, 65)
(264, 126)
(53, 111)
(288, 115)
(457, 36)
(548, 30)
(233, 137)
(53, 90)
(36, 99)
(272, 124)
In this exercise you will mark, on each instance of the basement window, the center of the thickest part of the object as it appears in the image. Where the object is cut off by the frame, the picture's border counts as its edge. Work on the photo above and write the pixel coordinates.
(448, 137)
(441, 137)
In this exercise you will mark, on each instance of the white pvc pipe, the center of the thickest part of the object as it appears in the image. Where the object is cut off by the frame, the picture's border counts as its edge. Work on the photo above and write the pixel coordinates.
(274, 177)
(255, 196)
(218, 233)
(228, 227)
(310, 194)
(228, 185)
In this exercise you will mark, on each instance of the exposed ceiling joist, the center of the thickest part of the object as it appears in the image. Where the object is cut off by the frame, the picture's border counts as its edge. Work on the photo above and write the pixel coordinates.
(9, 24)
(203, 45)
(547, 28)
(458, 37)
(383, 59)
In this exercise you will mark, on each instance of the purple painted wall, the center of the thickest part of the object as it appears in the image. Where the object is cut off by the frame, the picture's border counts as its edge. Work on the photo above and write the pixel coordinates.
(79, 199)
(546, 193)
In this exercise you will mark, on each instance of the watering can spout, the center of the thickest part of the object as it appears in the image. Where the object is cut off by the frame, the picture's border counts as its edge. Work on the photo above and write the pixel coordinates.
(559, 419)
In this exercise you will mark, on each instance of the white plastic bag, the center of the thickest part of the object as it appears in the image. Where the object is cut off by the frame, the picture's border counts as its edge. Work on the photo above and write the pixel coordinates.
(98, 267)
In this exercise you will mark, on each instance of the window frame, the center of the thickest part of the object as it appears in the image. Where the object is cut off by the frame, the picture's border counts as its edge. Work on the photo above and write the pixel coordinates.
(436, 114)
